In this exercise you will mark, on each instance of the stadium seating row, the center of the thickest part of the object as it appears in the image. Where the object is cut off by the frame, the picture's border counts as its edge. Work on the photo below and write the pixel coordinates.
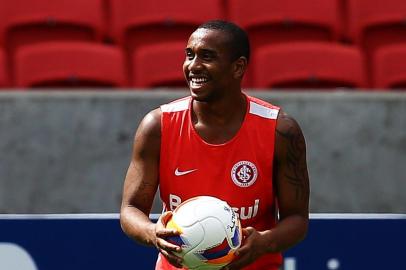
(290, 65)
(294, 42)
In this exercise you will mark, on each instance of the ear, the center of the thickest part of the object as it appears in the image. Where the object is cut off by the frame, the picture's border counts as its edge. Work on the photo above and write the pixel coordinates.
(240, 65)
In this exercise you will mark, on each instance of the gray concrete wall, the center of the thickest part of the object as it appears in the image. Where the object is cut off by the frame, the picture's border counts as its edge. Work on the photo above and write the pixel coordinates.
(67, 152)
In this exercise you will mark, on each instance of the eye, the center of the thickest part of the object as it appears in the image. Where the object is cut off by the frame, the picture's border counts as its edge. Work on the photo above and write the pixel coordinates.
(207, 56)
(189, 55)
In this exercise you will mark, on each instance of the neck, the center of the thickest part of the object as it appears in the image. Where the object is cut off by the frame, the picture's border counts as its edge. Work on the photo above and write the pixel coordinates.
(220, 111)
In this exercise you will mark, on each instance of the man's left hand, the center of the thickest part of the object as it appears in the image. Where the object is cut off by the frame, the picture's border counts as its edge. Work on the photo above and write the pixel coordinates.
(253, 247)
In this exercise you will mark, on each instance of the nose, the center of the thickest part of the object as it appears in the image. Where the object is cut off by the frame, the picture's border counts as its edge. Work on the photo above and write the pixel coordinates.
(195, 65)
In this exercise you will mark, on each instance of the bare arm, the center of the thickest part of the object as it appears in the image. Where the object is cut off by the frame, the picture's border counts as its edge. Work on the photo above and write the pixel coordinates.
(291, 185)
(140, 186)
(141, 181)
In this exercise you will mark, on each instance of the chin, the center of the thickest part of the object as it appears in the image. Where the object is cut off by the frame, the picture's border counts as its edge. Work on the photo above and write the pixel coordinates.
(204, 97)
(206, 93)
(198, 96)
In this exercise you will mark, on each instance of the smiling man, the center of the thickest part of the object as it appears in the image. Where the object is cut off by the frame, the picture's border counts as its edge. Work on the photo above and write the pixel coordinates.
(224, 143)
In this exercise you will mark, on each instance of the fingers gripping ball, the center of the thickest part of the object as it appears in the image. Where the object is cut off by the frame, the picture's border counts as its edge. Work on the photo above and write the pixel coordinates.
(210, 232)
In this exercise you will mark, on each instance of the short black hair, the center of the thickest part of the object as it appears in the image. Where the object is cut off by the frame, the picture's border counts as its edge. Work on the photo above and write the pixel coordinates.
(239, 42)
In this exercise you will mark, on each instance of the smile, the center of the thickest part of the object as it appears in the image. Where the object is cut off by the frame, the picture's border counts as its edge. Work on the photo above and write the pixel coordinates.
(198, 81)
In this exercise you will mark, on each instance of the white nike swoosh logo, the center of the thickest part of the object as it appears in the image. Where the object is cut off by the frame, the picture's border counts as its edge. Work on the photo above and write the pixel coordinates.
(180, 173)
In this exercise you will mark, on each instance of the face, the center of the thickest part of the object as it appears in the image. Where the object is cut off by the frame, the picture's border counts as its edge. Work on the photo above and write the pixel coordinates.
(208, 68)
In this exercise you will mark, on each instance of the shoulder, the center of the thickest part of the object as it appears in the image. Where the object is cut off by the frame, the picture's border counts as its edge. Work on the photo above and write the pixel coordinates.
(289, 135)
(177, 105)
(286, 124)
(262, 108)
(148, 137)
(152, 121)
(150, 125)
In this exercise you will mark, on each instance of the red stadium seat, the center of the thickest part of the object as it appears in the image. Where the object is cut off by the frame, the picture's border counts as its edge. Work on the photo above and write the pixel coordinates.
(376, 23)
(28, 21)
(270, 21)
(69, 64)
(3, 70)
(159, 65)
(308, 65)
(389, 67)
(373, 24)
(275, 21)
(135, 24)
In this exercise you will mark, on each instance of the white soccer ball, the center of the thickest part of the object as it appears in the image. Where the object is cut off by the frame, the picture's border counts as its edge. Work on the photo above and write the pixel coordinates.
(210, 232)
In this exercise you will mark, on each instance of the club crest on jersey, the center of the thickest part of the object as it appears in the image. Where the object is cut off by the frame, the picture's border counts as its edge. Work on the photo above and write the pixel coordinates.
(244, 173)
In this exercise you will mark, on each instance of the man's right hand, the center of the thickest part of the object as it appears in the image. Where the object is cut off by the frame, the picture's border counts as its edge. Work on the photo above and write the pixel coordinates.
(166, 248)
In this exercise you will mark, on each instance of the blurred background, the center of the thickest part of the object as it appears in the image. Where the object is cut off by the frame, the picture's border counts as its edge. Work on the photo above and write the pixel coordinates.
(76, 78)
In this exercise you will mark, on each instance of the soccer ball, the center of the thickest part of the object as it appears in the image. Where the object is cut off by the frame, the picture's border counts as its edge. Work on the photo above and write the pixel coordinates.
(210, 232)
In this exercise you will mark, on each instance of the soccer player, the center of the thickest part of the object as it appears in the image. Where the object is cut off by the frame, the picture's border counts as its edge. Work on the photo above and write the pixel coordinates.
(221, 142)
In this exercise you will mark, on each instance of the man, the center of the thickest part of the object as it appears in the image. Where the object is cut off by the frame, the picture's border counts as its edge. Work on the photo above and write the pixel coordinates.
(224, 143)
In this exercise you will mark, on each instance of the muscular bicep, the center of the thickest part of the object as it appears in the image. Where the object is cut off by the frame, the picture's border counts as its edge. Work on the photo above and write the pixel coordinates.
(291, 174)
(141, 180)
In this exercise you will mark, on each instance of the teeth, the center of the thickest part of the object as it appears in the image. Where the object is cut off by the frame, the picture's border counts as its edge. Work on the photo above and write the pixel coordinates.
(199, 80)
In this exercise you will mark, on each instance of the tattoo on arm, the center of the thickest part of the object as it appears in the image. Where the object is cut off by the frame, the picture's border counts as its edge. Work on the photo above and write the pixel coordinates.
(296, 173)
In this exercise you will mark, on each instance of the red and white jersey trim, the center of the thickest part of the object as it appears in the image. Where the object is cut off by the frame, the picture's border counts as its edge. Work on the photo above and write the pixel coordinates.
(263, 111)
(176, 106)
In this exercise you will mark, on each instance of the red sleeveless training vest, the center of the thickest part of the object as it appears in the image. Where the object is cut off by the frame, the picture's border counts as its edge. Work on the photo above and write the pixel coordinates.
(238, 171)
